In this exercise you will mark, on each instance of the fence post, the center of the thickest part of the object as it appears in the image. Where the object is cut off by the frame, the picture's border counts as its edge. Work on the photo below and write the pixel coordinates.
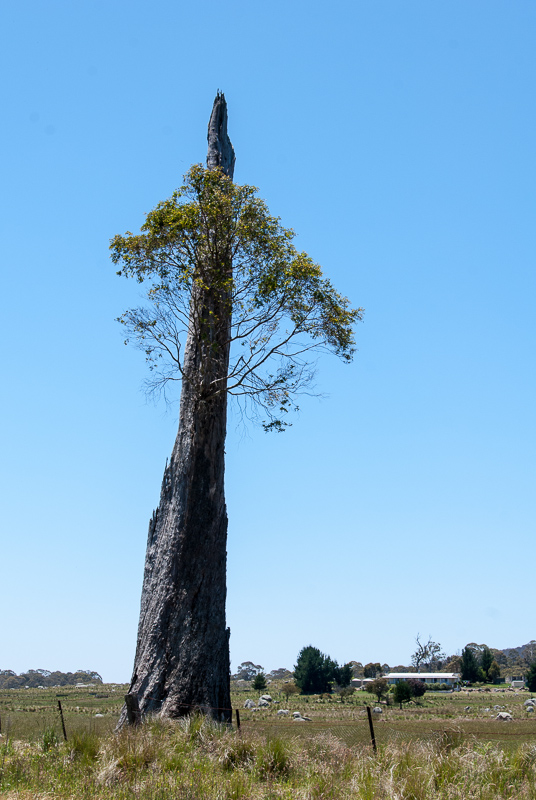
(238, 720)
(133, 709)
(371, 726)
(62, 720)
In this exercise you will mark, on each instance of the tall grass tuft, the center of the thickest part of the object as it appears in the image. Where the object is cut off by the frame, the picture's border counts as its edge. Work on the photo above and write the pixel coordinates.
(49, 739)
(84, 745)
(273, 759)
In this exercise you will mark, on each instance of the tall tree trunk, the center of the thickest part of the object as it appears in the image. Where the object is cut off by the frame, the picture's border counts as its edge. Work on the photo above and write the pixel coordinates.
(182, 655)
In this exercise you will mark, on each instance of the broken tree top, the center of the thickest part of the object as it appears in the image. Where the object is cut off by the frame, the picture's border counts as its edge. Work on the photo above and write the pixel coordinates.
(220, 150)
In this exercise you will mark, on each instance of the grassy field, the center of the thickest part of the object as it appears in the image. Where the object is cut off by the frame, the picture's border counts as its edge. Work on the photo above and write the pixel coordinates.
(26, 713)
(434, 749)
(434, 715)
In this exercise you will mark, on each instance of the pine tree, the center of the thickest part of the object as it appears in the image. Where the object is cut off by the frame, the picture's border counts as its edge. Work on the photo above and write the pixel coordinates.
(314, 671)
(259, 682)
(531, 677)
(486, 660)
(470, 669)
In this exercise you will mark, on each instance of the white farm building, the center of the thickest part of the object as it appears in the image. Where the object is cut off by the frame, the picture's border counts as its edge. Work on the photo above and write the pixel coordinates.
(449, 678)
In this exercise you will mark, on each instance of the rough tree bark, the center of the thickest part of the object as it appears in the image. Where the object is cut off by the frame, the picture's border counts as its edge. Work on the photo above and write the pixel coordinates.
(182, 655)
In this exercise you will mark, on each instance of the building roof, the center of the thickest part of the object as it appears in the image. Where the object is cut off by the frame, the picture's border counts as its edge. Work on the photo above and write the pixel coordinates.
(422, 675)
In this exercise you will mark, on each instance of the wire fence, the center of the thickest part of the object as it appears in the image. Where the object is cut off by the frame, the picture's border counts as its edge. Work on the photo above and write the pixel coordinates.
(353, 730)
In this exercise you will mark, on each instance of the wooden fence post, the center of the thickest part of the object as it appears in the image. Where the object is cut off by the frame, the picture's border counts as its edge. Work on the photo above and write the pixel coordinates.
(133, 708)
(371, 726)
(62, 720)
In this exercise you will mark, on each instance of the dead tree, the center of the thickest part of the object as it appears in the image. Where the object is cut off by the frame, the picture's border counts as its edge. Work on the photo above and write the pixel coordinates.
(182, 654)
(226, 279)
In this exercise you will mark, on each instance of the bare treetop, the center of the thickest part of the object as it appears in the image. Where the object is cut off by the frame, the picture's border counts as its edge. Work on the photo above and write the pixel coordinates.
(220, 150)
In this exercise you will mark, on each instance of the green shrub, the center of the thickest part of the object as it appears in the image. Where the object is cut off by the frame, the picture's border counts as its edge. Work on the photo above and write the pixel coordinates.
(289, 689)
(378, 687)
(418, 687)
(402, 692)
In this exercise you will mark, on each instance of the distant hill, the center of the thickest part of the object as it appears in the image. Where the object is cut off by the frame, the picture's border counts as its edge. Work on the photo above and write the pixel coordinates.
(517, 658)
(44, 677)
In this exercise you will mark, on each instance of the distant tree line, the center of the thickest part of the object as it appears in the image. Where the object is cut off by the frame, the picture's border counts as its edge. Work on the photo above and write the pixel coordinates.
(44, 677)
(318, 673)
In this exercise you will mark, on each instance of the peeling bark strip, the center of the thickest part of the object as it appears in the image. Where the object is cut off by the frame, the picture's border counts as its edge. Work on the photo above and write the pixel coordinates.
(182, 655)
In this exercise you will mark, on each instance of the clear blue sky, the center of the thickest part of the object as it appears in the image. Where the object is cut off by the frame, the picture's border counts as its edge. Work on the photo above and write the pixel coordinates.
(398, 140)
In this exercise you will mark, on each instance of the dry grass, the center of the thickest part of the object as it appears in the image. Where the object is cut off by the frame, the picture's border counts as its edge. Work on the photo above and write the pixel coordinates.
(194, 759)
(435, 749)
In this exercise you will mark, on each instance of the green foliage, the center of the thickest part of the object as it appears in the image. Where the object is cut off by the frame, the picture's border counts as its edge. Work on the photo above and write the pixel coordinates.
(344, 675)
(402, 692)
(372, 670)
(486, 660)
(215, 259)
(470, 668)
(378, 687)
(494, 671)
(531, 677)
(289, 689)
(418, 688)
(259, 682)
(314, 672)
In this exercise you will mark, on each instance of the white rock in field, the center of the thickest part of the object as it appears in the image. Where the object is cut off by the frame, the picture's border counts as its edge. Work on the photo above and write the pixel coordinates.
(250, 703)
(99, 715)
(266, 697)
(263, 703)
(283, 712)
(297, 717)
(530, 709)
(377, 710)
(504, 716)
(531, 702)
